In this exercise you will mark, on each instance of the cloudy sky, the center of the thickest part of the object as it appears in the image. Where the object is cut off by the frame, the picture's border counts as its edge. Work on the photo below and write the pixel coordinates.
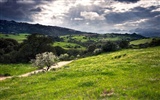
(101, 16)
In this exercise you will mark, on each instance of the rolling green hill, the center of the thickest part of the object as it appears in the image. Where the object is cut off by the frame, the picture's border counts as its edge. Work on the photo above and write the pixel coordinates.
(140, 41)
(67, 45)
(126, 75)
(80, 41)
(18, 37)
(15, 69)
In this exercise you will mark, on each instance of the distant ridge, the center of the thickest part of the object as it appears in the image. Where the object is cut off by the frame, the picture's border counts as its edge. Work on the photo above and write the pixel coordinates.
(19, 27)
(12, 27)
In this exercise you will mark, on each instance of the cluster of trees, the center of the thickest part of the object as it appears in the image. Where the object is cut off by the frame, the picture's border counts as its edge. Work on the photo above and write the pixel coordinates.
(154, 42)
(13, 52)
(107, 47)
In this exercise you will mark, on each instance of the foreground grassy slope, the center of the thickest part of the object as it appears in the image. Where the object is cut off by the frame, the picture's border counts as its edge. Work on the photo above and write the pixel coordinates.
(127, 74)
(15, 69)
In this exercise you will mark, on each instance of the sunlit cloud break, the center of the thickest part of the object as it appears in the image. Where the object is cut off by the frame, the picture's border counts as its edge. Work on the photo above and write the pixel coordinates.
(100, 16)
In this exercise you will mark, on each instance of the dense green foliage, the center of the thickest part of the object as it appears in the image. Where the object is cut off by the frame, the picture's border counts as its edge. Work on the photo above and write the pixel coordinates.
(13, 52)
(35, 44)
(144, 43)
(8, 48)
(126, 75)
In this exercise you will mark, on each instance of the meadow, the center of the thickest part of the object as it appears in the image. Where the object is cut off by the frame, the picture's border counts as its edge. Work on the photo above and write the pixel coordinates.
(81, 42)
(18, 37)
(131, 74)
(140, 41)
(15, 69)
(66, 45)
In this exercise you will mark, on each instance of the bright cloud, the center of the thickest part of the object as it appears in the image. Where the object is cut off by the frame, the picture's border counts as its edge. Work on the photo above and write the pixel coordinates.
(86, 15)
(92, 16)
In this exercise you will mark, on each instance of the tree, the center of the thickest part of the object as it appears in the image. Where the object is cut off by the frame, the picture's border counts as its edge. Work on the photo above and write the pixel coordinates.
(59, 50)
(8, 50)
(123, 44)
(110, 46)
(155, 42)
(45, 59)
(91, 48)
(35, 44)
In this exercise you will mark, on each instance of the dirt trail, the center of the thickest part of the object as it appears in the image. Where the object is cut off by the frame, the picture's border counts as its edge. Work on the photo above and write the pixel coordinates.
(60, 64)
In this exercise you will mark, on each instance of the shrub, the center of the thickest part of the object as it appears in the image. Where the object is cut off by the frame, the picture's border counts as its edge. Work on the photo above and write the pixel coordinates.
(155, 42)
(91, 48)
(97, 51)
(123, 44)
(59, 50)
(110, 46)
(64, 57)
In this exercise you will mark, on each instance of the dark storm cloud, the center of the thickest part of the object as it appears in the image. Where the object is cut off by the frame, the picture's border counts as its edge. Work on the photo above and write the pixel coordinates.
(18, 10)
(128, 1)
(135, 14)
(151, 27)
(95, 16)
(38, 9)
(149, 32)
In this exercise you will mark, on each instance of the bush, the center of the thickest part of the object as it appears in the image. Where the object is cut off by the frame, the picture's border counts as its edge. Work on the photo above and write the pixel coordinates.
(91, 48)
(155, 42)
(97, 51)
(64, 57)
(110, 46)
(59, 50)
(123, 44)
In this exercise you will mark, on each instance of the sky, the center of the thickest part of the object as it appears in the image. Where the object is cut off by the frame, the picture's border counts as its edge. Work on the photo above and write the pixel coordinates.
(98, 16)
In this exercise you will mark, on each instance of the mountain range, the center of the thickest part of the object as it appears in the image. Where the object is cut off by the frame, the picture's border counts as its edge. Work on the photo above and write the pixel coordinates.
(8, 27)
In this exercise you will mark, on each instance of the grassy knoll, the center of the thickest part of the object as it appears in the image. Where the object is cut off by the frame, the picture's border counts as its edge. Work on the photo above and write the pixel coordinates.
(127, 74)
(67, 45)
(18, 37)
(83, 38)
(15, 69)
(141, 41)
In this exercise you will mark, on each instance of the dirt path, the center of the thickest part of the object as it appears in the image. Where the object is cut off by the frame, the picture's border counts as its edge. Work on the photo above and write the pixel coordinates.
(60, 64)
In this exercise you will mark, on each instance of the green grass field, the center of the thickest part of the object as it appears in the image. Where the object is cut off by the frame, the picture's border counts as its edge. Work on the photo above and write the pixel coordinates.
(15, 69)
(67, 45)
(19, 37)
(131, 74)
(83, 38)
(141, 41)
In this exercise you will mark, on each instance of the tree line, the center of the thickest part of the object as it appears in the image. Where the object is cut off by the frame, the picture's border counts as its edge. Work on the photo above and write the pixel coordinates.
(13, 52)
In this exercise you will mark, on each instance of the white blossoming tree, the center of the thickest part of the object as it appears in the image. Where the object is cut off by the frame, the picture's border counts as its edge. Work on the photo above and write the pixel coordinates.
(46, 59)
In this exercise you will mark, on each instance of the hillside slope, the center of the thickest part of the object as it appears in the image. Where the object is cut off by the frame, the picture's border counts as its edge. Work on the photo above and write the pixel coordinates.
(127, 74)
(17, 27)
